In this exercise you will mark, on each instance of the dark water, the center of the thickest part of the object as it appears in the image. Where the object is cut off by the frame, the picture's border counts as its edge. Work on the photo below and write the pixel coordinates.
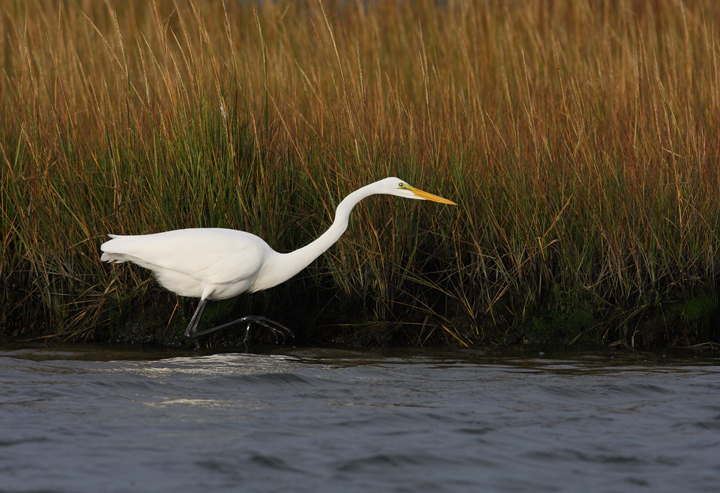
(88, 419)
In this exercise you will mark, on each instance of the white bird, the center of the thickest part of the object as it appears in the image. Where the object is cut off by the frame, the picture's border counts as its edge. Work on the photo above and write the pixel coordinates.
(217, 264)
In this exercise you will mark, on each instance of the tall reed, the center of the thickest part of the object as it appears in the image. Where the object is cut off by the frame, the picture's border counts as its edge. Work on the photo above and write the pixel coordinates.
(580, 140)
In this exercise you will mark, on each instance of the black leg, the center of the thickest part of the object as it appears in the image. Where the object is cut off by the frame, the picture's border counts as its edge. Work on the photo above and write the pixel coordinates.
(271, 325)
(195, 320)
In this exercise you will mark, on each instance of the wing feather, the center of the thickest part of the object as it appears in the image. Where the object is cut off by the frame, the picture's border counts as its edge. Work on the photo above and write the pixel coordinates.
(209, 255)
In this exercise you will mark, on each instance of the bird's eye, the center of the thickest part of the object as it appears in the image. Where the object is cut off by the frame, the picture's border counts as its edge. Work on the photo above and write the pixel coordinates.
(402, 185)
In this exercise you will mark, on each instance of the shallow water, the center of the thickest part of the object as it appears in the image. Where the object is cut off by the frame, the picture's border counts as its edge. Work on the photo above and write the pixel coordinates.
(88, 418)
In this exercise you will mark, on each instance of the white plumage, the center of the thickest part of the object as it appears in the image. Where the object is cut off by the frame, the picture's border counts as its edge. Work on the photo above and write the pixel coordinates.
(216, 264)
(210, 263)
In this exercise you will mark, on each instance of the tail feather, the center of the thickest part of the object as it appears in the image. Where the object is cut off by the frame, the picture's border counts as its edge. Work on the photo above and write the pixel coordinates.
(115, 257)
(109, 257)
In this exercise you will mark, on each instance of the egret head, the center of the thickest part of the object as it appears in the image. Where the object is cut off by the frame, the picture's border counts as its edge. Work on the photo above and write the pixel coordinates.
(396, 186)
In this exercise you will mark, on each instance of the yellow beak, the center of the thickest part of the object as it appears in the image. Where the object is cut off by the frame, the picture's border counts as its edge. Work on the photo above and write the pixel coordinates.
(428, 196)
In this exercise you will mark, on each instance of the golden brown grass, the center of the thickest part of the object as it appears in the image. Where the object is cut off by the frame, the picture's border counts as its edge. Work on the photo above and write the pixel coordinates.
(580, 139)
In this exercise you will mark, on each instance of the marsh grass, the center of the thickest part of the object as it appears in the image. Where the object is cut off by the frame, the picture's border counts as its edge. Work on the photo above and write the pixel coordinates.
(580, 140)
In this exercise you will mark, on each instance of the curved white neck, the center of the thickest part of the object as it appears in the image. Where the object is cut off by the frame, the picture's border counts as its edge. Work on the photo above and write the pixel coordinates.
(285, 265)
(301, 258)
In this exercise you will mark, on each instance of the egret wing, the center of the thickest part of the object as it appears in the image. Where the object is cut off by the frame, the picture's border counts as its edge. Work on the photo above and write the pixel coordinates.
(215, 256)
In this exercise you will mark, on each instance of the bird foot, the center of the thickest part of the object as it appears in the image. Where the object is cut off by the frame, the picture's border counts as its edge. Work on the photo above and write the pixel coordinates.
(274, 327)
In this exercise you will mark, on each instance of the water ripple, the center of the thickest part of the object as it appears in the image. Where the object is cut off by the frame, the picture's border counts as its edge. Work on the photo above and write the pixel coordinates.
(387, 420)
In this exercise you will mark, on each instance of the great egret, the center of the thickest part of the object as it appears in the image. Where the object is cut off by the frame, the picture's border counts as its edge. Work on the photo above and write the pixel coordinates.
(217, 264)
